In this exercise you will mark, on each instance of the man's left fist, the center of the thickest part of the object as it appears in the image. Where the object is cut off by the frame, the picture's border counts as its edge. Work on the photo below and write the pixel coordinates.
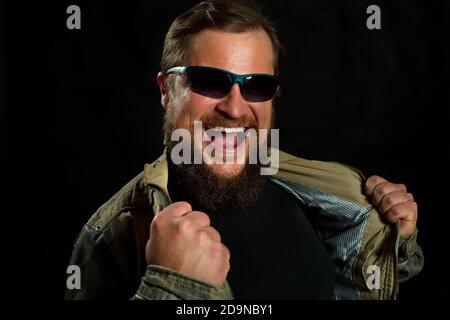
(393, 202)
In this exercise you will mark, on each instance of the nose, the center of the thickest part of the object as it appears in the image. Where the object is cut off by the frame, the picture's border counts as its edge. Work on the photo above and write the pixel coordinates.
(233, 105)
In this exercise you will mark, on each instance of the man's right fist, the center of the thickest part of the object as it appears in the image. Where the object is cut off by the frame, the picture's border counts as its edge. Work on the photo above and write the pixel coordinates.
(183, 240)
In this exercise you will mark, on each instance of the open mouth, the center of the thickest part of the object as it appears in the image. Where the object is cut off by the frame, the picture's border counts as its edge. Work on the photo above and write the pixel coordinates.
(228, 129)
(231, 138)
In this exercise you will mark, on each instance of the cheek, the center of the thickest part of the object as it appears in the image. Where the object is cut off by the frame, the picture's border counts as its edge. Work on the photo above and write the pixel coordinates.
(194, 108)
(263, 114)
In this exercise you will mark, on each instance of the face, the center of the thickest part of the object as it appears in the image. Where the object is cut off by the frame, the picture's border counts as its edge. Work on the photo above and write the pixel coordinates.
(240, 53)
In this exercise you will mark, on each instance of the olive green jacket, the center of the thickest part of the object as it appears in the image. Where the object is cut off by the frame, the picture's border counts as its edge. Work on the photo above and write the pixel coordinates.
(370, 257)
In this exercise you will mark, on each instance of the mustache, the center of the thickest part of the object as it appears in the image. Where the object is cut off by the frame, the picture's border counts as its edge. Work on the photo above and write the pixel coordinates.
(221, 121)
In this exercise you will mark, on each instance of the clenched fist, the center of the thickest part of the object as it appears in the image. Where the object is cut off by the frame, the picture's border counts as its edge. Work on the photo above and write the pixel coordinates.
(183, 240)
(394, 202)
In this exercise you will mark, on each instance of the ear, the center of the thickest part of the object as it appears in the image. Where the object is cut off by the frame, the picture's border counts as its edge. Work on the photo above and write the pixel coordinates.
(161, 79)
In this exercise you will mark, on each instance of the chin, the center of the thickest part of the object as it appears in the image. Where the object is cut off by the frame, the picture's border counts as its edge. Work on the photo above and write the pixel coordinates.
(226, 170)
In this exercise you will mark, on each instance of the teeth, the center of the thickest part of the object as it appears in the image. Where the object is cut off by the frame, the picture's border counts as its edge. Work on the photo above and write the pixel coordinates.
(229, 130)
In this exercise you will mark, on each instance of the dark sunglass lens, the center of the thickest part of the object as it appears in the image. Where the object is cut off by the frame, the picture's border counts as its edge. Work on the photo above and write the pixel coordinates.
(210, 82)
(259, 88)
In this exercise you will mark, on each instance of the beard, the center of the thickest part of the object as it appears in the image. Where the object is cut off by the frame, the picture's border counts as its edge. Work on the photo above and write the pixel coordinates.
(210, 192)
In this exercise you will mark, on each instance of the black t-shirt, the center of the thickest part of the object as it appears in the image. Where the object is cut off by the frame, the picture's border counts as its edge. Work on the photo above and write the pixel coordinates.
(275, 253)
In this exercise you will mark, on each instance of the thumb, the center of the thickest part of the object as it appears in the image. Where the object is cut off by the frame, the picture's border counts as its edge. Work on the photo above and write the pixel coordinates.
(175, 209)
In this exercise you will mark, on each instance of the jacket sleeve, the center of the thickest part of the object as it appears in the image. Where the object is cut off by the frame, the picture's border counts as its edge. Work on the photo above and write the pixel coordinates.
(103, 279)
(165, 284)
(100, 275)
(410, 258)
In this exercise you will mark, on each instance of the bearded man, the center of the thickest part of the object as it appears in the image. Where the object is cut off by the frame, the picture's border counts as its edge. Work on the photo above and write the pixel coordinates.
(222, 229)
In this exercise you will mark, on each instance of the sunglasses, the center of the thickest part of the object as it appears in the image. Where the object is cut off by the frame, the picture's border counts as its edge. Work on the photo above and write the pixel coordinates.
(217, 83)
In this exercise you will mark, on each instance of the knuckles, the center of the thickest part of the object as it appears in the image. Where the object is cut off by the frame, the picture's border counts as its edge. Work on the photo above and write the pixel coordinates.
(219, 252)
(396, 198)
(201, 217)
(203, 238)
(389, 200)
(185, 226)
(158, 223)
(373, 181)
(394, 212)
(181, 206)
(382, 189)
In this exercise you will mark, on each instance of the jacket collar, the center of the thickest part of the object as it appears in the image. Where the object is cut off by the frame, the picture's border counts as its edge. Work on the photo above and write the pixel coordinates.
(157, 173)
(334, 178)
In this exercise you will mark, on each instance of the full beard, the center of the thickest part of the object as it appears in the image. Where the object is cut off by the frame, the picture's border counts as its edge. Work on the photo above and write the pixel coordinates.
(209, 192)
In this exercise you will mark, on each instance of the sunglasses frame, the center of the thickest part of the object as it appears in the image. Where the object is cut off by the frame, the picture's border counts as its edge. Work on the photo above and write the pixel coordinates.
(236, 78)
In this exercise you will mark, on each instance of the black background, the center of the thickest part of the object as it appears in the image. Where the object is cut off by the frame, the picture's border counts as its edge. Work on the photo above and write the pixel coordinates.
(83, 113)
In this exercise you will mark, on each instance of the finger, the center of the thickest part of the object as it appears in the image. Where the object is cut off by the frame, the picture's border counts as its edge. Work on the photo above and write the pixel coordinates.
(222, 250)
(384, 188)
(371, 183)
(393, 199)
(225, 252)
(406, 212)
(177, 209)
(228, 254)
(200, 218)
(213, 233)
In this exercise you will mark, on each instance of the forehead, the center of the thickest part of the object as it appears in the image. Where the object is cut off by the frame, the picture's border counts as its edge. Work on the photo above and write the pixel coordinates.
(239, 52)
